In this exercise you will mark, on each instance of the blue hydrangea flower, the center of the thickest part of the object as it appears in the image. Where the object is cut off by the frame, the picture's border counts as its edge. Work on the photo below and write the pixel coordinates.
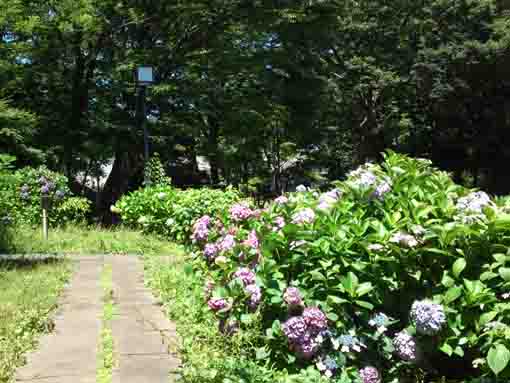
(428, 317)
(380, 321)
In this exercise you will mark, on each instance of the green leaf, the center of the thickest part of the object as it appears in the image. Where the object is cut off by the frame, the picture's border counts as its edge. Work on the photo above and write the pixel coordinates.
(487, 317)
(364, 288)
(498, 358)
(350, 283)
(452, 294)
(364, 304)
(504, 272)
(317, 275)
(458, 266)
(332, 316)
(447, 349)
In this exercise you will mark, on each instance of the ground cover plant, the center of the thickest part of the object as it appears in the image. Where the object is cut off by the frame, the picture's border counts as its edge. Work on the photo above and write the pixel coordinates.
(84, 239)
(168, 211)
(397, 274)
(29, 288)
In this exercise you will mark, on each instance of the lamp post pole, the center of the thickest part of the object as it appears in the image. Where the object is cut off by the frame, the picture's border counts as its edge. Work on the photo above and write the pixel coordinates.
(144, 77)
(143, 125)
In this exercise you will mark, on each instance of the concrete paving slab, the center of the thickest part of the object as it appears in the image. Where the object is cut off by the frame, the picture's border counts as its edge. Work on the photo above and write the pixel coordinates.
(69, 354)
(145, 340)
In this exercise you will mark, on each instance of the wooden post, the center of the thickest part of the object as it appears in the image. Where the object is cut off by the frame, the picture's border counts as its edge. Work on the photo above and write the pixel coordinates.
(45, 202)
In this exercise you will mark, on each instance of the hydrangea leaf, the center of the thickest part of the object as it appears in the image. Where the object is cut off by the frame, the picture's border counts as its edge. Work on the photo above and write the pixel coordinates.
(498, 358)
(458, 267)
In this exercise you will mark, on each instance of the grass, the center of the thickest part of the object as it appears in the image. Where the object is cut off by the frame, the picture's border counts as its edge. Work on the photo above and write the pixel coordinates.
(29, 290)
(207, 355)
(106, 354)
(86, 240)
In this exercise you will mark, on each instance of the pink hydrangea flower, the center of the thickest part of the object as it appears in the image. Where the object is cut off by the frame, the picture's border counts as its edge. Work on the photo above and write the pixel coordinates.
(252, 240)
(245, 275)
(240, 212)
(292, 296)
(227, 243)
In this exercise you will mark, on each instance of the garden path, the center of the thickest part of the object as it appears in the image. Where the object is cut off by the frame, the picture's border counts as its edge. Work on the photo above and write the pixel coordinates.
(144, 339)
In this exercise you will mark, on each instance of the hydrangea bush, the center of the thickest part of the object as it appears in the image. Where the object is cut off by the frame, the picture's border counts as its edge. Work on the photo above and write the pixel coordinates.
(173, 212)
(21, 192)
(397, 274)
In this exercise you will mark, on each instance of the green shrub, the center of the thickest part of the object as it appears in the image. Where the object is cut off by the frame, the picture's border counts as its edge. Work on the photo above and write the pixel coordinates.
(155, 172)
(398, 272)
(168, 211)
(20, 196)
(72, 210)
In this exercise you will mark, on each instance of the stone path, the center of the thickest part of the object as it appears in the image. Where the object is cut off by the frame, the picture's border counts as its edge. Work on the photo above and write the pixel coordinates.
(145, 341)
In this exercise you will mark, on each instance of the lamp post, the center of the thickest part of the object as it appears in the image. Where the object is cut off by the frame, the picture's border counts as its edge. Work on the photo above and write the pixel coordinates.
(144, 78)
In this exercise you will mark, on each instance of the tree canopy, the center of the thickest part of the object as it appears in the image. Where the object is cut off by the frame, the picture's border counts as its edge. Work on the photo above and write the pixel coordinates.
(270, 92)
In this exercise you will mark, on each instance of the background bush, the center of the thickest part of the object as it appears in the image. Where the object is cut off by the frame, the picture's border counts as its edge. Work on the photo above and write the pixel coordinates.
(171, 212)
(390, 236)
(20, 197)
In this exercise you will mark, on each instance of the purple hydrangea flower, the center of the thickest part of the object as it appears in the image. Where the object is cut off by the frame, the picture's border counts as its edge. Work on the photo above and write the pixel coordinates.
(25, 196)
(303, 216)
(217, 304)
(42, 180)
(211, 250)
(315, 319)
(381, 189)
(255, 295)
(327, 365)
(370, 375)
(45, 189)
(295, 329)
(281, 200)
(245, 275)
(428, 317)
(201, 229)
(292, 297)
(240, 212)
(25, 188)
(328, 200)
(252, 240)
(405, 346)
(363, 177)
(227, 243)
(473, 202)
(308, 347)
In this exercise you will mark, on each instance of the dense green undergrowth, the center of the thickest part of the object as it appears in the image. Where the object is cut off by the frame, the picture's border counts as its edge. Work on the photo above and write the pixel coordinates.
(29, 289)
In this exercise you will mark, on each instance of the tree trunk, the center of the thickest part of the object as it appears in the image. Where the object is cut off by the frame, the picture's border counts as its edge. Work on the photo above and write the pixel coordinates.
(126, 164)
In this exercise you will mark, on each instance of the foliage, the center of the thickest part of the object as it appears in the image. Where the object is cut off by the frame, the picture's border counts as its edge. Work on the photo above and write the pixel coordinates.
(29, 288)
(171, 212)
(398, 268)
(155, 172)
(72, 210)
(22, 192)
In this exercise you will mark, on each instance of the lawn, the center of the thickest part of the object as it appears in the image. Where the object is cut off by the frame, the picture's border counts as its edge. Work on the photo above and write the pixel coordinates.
(29, 290)
(86, 240)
